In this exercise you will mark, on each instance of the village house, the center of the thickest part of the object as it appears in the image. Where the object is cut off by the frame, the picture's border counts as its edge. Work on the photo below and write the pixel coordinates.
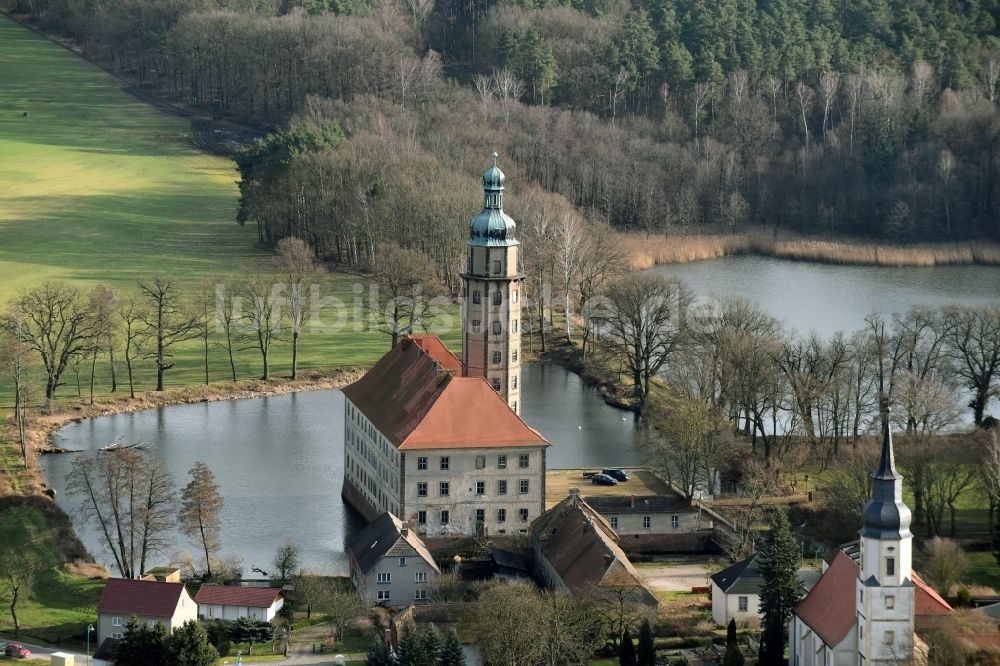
(437, 440)
(735, 590)
(656, 523)
(577, 551)
(231, 602)
(390, 564)
(150, 601)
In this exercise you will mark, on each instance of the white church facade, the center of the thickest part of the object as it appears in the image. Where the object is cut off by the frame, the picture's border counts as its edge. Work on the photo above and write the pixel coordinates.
(863, 609)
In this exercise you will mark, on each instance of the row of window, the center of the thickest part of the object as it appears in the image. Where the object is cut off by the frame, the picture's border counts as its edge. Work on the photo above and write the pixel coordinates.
(444, 488)
(444, 462)
(419, 577)
(498, 358)
(445, 516)
(647, 521)
(497, 328)
(477, 297)
(383, 595)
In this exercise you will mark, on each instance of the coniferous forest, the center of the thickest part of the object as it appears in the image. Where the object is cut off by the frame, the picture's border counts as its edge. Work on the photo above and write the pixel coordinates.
(862, 118)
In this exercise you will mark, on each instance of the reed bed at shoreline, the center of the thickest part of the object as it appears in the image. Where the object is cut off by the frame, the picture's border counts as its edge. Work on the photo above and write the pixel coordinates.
(645, 252)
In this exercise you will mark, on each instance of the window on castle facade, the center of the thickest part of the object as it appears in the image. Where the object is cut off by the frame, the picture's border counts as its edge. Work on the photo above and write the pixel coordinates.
(497, 330)
(496, 383)
(497, 356)
(475, 325)
(497, 297)
(476, 297)
(421, 463)
(444, 488)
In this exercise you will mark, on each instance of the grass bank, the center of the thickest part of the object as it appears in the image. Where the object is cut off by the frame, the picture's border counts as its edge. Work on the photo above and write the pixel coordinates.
(647, 251)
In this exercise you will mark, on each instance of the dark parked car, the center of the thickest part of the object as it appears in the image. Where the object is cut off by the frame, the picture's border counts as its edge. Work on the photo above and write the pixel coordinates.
(616, 474)
(17, 651)
(603, 480)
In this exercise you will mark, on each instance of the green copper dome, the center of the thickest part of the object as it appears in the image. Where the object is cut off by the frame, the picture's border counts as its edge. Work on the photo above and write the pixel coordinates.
(493, 227)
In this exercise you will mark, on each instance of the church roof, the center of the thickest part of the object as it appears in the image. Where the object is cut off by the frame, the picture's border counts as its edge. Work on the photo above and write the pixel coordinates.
(417, 404)
(829, 608)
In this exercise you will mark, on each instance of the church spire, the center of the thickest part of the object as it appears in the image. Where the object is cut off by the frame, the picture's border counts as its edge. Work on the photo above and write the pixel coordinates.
(886, 516)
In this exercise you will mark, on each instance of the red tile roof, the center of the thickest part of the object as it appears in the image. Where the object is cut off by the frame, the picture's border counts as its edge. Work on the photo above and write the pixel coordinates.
(437, 350)
(417, 405)
(140, 597)
(237, 595)
(928, 601)
(829, 608)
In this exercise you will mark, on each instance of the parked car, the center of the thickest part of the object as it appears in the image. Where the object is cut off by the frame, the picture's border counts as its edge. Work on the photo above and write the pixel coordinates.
(616, 474)
(17, 651)
(603, 480)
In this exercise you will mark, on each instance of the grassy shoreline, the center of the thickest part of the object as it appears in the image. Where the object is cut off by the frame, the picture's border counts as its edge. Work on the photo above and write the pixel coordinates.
(644, 252)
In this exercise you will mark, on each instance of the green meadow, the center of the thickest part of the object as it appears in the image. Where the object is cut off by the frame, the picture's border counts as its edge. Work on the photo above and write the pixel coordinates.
(98, 187)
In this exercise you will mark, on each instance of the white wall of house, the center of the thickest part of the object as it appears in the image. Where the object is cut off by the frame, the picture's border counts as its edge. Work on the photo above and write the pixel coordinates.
(233, 613)
(481, 482)
(725, 607)
(398, 581)
(112, 625)
(371, 462)
(677, 522)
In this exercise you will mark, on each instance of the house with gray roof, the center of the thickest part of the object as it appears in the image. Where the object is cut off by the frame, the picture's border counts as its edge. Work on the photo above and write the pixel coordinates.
(657, 523)
(736, 590)
(390, 565)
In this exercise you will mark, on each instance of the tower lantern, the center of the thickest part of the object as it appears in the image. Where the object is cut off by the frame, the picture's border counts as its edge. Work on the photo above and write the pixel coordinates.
(491, 314)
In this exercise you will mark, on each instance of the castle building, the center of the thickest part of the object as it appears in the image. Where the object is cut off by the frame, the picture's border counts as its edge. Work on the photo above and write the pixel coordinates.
(866, 607)
(492, 290)
(437, 440)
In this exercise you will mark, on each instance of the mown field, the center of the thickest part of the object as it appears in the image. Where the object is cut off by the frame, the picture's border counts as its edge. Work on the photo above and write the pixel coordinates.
(98, 187)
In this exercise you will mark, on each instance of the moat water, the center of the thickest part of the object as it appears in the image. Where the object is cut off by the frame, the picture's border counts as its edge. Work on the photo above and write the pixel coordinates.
(279, 460)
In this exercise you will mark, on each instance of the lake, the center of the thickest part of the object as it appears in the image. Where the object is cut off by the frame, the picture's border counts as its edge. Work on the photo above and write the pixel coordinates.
(826, 298)
(279, 460)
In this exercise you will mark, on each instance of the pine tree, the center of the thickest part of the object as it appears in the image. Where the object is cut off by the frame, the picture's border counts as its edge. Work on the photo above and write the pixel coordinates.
(732, 656)
(189, 646)
(451, 651)
(782, 589)
(626, 651)
(431, 645)
(410, 650)
(646, 652)
(378, 654)
(142, 645)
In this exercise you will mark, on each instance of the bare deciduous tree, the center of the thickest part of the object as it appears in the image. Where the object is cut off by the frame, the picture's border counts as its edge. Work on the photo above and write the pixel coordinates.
(166, 321)
(55, 321)
(298, 263)
(19, 566)
(646, 324)
(129, 497)
(199, 517)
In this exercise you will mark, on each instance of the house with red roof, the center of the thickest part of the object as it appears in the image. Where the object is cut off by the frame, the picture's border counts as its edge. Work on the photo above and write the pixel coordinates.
(231, 602)
(149, 601)
(436, 439)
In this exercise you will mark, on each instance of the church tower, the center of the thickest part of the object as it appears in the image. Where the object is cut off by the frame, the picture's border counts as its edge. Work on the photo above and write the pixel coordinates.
(885, 591)
(491, 314)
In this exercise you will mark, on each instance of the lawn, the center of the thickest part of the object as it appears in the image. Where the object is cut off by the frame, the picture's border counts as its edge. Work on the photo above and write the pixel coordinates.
(98, 187)
(983, 570)
(62, 603)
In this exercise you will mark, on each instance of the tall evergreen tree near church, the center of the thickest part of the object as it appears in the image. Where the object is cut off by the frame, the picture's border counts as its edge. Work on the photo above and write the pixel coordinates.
(782, 589)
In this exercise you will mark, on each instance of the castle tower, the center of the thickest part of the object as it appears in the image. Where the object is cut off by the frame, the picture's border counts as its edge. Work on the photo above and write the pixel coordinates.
(491, 314)
(885, 592)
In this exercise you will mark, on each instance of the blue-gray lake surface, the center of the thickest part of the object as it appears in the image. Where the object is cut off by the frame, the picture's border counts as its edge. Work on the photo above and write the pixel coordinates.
(279, 460)
(826, 298)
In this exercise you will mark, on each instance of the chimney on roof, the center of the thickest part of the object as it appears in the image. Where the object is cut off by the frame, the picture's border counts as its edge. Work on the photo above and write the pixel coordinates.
(405, 529)
(574, 491)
